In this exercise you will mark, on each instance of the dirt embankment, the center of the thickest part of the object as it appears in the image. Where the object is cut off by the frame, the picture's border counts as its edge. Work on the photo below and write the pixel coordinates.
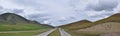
(111, 34)
(105, 27)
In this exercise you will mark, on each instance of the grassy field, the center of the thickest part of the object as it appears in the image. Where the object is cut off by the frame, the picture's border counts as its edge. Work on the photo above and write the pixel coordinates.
(15, 25)
(22, 33)
(55, 33)
(21, 27)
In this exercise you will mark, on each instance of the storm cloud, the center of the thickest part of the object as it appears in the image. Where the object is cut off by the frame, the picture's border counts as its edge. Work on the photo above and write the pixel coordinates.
(107, 5)
(1, 7)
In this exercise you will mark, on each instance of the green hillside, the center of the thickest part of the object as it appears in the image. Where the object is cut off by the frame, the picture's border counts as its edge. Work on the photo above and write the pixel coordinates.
(14, 22)
(12, 18)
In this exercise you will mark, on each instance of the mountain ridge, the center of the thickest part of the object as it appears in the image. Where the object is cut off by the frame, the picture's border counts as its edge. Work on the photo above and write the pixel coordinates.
(14, 22)
(80, 25)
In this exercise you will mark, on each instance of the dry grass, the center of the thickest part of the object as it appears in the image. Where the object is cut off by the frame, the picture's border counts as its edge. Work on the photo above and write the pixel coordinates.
(55, 33)
(87, 24)
(84, 33)
(105, 27)
(86, 28)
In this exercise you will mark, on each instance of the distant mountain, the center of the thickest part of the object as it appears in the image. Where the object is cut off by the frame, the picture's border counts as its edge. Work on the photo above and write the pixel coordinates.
(11, 18)
(86, 24)
(35, 22)
(76, 25)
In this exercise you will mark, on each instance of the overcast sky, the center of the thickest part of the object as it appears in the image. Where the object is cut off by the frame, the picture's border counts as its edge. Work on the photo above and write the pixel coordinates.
(60, 12)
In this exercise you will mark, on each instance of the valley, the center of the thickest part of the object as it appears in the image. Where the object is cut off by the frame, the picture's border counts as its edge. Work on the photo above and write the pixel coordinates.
(15, 25)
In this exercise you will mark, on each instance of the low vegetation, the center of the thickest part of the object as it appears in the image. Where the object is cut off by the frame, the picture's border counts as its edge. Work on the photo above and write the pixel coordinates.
(21, 27)
(55, 33)
(22, 33)
(14, 22)
(84, 33)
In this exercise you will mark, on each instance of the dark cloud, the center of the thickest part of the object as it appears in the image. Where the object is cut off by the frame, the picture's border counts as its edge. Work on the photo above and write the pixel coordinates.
(1, 10)
(39, 17)
(17, 10)
(1, 7)
(100, 16)
(103, 5)
(31, 3)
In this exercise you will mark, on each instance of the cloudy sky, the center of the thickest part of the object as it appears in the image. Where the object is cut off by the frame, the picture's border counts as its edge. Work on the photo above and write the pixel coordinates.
(60, 12)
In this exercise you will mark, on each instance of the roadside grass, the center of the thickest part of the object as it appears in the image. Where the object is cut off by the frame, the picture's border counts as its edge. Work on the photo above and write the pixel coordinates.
(21, 27)
(55, 33)
(84, 33)
(24, 33)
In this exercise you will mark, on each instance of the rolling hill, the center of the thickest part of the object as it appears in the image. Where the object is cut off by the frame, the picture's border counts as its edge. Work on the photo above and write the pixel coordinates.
(105, 27)
(76, 25)
(86, 24)
(110, 24)
(11, 21)
(12, 18)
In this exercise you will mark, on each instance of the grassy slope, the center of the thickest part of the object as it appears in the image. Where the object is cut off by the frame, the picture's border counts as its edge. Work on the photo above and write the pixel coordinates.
(20, 27)
(86, 24)
(55, 33)
(14, 22)
(76, 26)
